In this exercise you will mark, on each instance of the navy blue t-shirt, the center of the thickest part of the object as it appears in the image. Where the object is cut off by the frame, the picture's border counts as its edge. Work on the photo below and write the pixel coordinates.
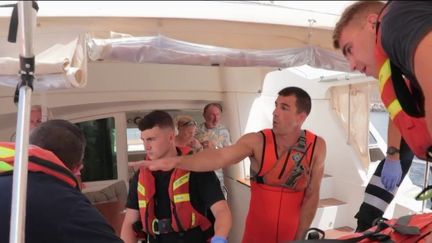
(403, 26)
(55, 212)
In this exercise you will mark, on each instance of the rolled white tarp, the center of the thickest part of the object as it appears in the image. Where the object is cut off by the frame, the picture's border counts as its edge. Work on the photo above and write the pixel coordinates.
(59, 67)
(164, 50)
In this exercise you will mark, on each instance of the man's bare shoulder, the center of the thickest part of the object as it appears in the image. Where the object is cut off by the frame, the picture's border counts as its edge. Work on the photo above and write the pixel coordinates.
(320, 149)
(251, 139)
(320, 141)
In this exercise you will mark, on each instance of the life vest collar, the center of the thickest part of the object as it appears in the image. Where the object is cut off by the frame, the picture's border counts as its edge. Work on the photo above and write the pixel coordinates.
(40, 160)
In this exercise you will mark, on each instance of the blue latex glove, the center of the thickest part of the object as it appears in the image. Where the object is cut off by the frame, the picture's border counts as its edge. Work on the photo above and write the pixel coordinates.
(218, 239)
(391, 174)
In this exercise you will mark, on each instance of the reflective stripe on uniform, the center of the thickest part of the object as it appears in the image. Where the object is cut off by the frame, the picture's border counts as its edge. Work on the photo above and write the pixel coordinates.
(6, 152)
(181, 198)
(376, 197)
(141, 189)
(394, 108)
(384, 74)
(193, 219)
(4, 167)
(142, 203)
(181, 181)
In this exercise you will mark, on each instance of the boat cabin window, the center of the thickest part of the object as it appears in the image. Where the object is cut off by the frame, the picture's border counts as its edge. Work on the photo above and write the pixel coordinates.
(100, 157)
(134, 141)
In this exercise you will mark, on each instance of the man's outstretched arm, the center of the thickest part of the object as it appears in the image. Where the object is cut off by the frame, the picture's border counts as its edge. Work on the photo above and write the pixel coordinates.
(208, 159)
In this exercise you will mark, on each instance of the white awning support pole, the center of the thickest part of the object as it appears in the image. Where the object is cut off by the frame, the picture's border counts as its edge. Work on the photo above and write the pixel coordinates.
(19, 193)
(26, 26)
(425, 182)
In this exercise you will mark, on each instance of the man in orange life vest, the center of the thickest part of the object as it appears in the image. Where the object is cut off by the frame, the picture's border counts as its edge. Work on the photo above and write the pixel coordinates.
(287, 165)
(170, 207)
(56, 209)
(386, 42)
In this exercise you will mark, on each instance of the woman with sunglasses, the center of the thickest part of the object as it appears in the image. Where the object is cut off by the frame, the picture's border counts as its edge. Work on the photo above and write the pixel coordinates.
(186, 127)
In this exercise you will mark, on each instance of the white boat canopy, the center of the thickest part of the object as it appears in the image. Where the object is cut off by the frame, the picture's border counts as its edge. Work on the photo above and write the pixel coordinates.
(63, 64)
(60, 66)
(295, 13)
(163, 50)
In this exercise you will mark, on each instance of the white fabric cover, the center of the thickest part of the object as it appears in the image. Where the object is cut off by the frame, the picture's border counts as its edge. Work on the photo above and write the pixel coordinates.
(58, 67)
(163, 50)
(351, 104)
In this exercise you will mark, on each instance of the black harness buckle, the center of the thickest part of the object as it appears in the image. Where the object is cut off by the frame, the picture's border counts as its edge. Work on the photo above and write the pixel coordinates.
(162, 226)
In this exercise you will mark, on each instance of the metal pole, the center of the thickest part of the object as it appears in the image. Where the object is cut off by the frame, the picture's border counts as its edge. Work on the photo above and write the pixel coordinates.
(19, 186)
(27, 21)
(425, 183)
(349, 115)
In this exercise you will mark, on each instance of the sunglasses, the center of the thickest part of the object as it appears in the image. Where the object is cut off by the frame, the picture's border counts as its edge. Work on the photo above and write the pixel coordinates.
(188, 123)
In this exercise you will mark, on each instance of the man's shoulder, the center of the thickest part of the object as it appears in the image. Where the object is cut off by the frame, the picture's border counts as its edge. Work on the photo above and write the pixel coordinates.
(63, 212)
(201, 127)
(221, 127)
(45, 191)
(253, 137)
(52, 188)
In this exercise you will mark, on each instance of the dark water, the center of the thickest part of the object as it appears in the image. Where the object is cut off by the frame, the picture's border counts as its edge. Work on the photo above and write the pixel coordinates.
(417, 170)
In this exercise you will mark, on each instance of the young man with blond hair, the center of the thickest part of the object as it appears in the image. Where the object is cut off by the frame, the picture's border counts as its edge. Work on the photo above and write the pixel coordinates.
(392, 43)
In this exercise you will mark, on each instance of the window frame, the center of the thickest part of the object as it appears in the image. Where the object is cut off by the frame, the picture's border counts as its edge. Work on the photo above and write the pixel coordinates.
(121, 149)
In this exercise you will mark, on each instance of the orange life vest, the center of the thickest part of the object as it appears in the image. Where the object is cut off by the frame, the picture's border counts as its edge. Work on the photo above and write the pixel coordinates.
(406, 229)
(277, 190)
(40, 160)
(183, 216)
(412, 128)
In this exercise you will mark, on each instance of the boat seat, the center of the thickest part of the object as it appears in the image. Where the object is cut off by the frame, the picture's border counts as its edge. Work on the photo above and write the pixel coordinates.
(113, 192)
(111, 202)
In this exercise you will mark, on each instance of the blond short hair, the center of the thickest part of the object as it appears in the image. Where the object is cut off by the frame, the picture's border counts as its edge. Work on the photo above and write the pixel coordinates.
(356, 11)
(182, 121)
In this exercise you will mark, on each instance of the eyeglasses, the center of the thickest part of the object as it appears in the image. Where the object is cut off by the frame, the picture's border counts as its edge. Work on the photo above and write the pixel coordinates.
(188, 123)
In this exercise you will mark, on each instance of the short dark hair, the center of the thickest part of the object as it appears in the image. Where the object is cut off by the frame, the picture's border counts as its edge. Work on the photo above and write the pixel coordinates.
(303, 100)
(219, 106)
(61, 137)
(156, 118)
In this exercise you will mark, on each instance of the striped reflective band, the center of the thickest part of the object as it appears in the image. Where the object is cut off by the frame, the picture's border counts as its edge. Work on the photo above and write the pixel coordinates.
(394, 108)
(142, 203)
(193, 219)
(6, 152)
(384, 74)
(141, 189)
(4, 167)
(181, 181)
(181, 198)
